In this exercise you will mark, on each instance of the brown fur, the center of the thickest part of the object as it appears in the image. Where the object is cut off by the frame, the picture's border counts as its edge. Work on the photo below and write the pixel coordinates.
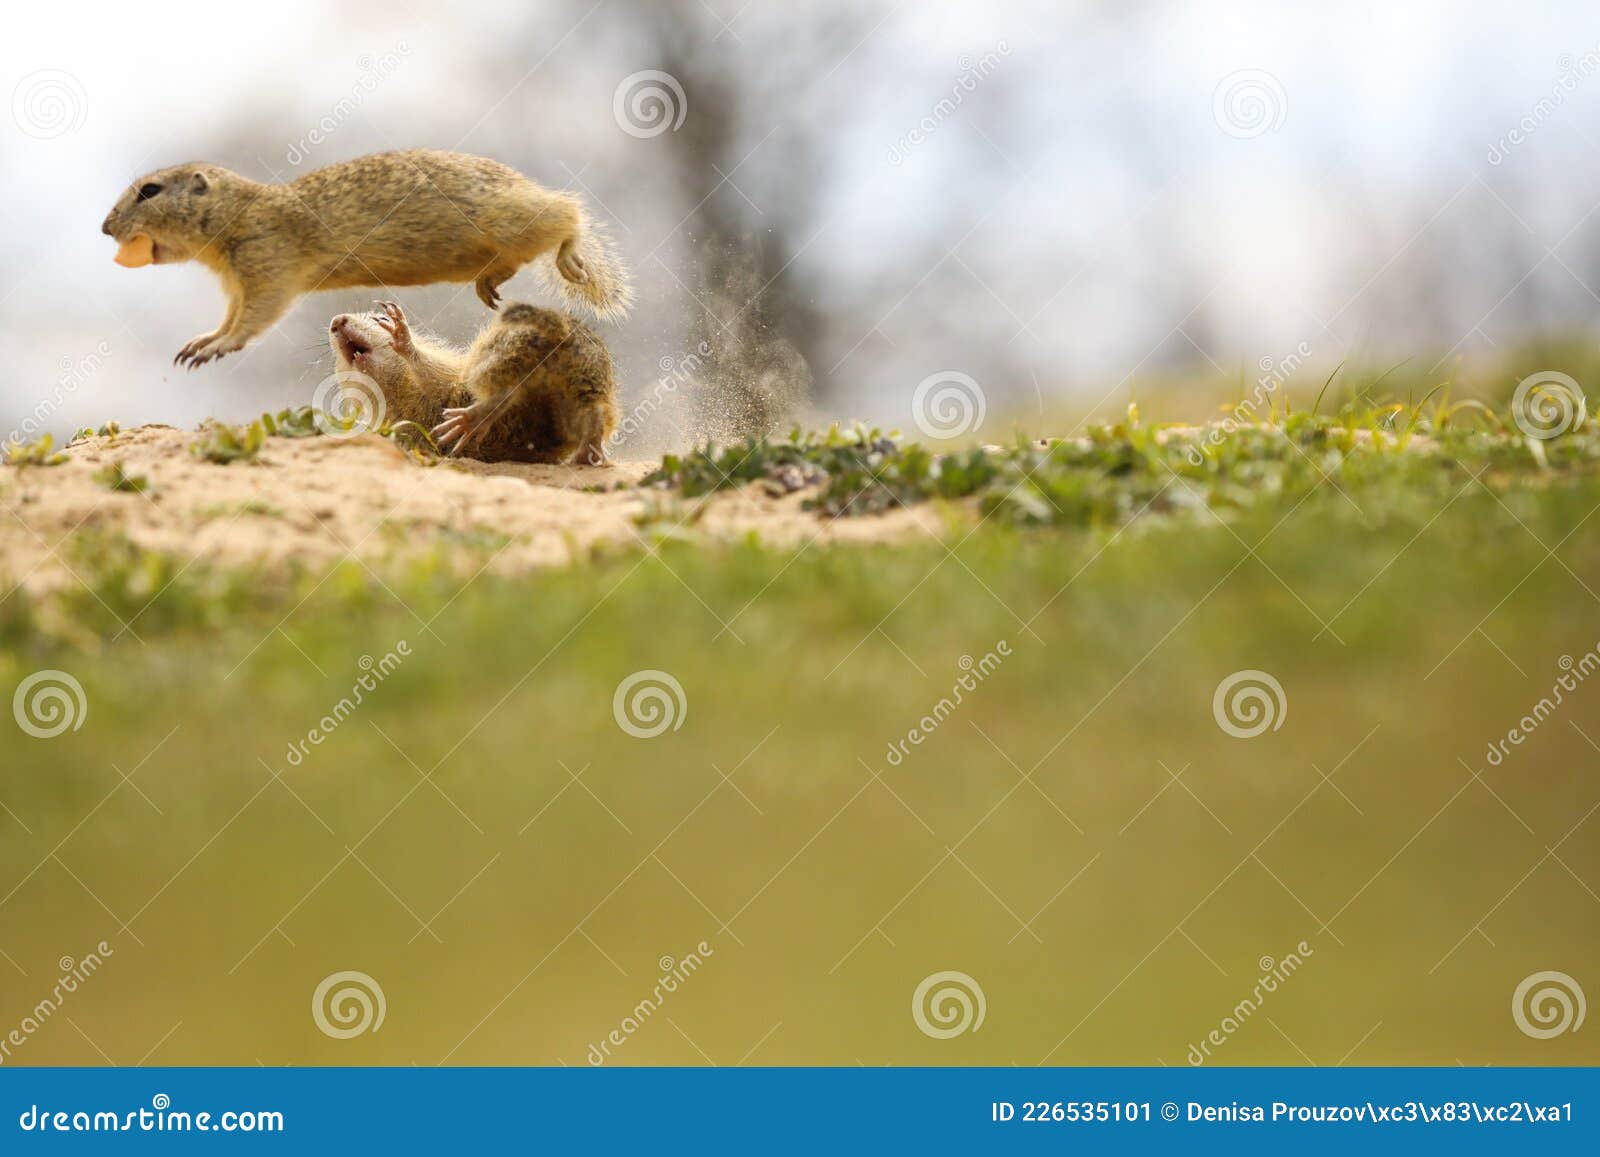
(535, 386)
(403, 218)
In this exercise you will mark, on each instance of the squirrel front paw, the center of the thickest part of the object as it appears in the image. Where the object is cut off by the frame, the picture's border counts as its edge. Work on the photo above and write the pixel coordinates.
(205, 348)
(392, 320)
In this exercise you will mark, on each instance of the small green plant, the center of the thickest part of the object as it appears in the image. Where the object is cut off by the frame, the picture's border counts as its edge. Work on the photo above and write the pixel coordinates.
(222, 443)
(110, 430)
(296, 422)
(116, 477)
(40, 452)
(415, 440)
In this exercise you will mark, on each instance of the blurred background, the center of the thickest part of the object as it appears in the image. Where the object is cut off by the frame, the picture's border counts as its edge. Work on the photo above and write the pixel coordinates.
(1058, 199)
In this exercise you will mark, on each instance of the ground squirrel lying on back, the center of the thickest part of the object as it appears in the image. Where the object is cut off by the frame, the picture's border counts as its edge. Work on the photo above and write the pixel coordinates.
(535, 386)
(401, 218)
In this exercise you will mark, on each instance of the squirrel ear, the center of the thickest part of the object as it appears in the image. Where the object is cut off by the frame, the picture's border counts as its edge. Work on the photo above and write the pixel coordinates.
(198, 182)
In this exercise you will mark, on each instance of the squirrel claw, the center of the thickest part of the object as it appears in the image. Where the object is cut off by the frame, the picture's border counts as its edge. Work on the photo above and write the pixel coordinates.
(460, 426)
(186, 355)
(487, 292)
(202, 350)
(392, 320)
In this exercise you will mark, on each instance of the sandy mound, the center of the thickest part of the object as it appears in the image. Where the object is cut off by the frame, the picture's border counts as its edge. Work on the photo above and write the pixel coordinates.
(321, 500)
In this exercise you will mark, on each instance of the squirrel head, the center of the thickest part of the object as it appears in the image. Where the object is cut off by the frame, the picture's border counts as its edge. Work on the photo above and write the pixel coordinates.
(177, 208)
(364, 346)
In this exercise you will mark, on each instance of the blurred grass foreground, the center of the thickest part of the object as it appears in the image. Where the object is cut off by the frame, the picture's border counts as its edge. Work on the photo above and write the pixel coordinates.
(1290, 761)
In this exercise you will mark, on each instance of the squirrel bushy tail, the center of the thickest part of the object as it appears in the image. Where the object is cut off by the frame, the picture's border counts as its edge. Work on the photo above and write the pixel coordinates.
(598, 281)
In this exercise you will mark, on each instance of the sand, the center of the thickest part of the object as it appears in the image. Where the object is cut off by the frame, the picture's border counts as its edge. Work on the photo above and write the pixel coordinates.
(319, 501)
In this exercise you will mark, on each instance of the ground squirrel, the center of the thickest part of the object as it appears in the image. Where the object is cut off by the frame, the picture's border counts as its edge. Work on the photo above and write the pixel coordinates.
(402, 218)
(535, 386)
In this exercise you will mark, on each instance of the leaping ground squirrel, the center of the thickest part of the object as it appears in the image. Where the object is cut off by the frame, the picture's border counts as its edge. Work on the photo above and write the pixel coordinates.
(402, 218)
(535, 386)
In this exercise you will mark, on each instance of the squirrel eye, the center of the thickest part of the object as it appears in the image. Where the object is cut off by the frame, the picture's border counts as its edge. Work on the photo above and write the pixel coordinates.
(148, 191)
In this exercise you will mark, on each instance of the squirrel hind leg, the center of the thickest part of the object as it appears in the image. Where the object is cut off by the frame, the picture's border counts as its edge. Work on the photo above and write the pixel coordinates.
(591, 429)
(570, 264)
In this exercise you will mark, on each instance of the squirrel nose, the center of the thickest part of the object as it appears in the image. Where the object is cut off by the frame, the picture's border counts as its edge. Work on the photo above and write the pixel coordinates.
(339, 323)
(105, 226)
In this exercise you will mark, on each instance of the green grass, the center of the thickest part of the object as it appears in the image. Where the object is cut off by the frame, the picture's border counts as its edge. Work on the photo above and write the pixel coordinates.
(1413, 606)
(1394, 454)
